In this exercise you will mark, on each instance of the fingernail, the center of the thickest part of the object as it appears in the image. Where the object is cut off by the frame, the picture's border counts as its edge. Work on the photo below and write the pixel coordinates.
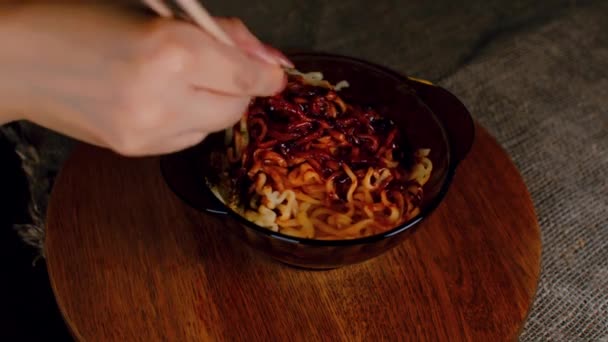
(279, 57)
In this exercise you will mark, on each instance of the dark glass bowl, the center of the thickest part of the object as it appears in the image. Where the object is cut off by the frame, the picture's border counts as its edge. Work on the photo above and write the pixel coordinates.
(429, 116)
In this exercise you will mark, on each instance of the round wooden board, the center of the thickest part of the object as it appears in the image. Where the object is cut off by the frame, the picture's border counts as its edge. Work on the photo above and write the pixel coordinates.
(129, 262)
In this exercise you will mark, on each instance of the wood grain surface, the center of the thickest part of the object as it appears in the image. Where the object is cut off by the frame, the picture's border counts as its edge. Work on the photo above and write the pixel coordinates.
(129, 262)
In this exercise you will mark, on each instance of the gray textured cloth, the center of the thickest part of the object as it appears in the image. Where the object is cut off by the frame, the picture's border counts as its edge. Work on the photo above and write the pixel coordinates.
(543, 94)
(534, 73)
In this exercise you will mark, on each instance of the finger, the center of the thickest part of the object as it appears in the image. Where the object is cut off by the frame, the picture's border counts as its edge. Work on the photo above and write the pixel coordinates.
(178, 143)
(209, 112)
(214, 66)
(244, 39)
(186, 112)
(164, 145)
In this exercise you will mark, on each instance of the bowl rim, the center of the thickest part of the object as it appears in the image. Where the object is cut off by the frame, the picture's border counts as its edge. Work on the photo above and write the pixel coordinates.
(411, 223)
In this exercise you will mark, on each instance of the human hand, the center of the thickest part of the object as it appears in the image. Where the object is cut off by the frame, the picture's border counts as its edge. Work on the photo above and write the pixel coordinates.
(122, 80)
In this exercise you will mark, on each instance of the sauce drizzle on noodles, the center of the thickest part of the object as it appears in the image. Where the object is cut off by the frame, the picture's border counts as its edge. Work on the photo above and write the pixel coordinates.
(307, 164)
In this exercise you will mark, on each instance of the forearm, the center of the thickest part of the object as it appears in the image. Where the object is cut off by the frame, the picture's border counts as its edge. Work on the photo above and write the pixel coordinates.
(13, 98)
(42, 45)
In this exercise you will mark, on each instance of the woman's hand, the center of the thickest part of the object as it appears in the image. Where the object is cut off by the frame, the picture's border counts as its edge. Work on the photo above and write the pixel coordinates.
(133, 83)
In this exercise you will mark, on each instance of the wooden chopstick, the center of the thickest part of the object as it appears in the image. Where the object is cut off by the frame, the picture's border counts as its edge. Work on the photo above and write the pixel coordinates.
(200, 16)
(159, 7)
(196, 13)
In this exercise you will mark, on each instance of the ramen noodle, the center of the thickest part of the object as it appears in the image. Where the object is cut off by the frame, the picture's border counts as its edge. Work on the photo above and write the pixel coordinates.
(307, 164)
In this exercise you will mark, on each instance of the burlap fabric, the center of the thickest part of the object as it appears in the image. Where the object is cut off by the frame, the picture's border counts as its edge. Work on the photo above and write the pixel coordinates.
(535, 74)
(544, 96)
